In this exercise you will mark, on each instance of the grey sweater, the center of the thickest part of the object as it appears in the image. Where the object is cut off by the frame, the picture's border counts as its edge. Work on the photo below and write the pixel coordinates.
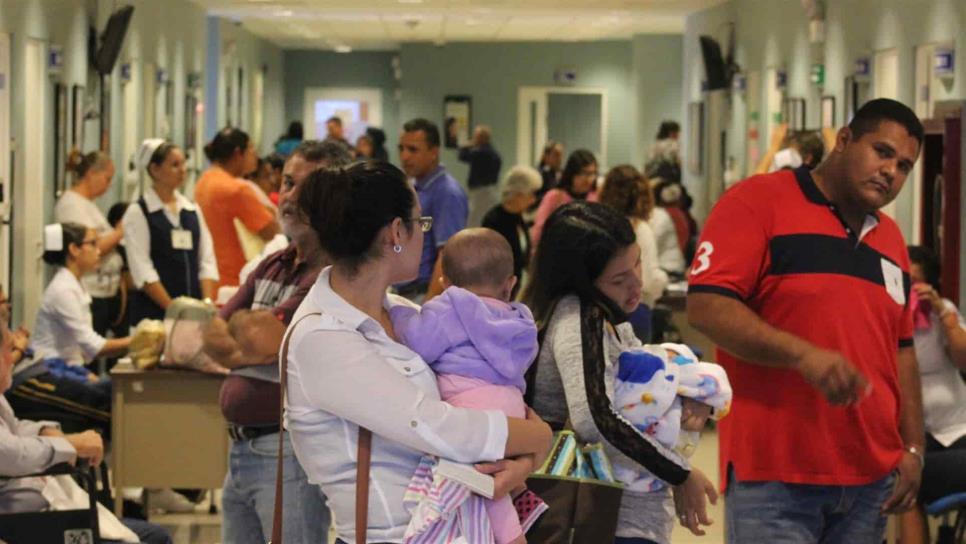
(570, 386)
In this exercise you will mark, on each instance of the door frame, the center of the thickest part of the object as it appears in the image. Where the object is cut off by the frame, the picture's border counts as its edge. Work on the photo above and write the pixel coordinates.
(532, 129)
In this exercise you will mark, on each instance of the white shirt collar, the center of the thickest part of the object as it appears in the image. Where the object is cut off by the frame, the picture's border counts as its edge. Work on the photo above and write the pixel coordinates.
(65, 279)
(333, 304)
(153, 202)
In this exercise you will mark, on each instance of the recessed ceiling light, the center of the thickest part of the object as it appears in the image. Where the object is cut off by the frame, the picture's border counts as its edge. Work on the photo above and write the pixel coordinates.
(343, 49)
(284, 13)
(410, 1)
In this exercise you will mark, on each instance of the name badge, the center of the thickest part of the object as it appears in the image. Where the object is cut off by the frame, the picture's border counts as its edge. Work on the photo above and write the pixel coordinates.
(181, 239)
(892, 275)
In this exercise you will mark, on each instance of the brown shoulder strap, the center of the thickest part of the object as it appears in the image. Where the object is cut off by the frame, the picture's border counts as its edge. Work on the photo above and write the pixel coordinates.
(282, 380)
(363, 457)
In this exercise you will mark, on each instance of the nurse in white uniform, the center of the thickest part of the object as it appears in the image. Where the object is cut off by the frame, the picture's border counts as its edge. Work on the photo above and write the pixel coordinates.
(64, 327)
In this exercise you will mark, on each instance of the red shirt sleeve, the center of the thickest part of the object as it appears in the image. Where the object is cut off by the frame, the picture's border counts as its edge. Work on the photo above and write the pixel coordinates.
(732, 254)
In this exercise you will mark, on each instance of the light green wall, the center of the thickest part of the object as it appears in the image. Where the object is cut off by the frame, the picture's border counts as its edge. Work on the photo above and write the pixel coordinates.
(255, 54)
(307, 69)
(774, 33)
(171, 34)
(658, 76)
(642, 77)
(492, 72)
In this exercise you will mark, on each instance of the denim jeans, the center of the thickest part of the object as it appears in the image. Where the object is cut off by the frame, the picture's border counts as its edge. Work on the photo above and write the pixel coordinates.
(800, 513)
(248, 497)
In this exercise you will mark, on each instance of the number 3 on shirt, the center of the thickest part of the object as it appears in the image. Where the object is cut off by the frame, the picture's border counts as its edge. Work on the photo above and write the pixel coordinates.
(702, 258)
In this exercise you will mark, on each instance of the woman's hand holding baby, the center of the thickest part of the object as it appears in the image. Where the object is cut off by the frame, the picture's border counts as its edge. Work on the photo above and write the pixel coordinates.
(508, 474)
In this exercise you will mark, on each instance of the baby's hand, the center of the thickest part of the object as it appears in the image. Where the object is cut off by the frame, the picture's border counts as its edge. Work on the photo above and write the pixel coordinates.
(694, 414)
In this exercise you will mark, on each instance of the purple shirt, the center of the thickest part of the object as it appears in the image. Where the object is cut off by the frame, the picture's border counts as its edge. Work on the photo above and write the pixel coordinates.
(463, 334)
(442, 198)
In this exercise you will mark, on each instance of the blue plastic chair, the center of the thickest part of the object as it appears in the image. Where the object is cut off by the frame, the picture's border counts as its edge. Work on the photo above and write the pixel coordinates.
(946, 507)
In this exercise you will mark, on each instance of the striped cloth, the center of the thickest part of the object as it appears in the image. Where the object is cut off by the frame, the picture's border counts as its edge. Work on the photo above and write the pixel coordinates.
(444, 511)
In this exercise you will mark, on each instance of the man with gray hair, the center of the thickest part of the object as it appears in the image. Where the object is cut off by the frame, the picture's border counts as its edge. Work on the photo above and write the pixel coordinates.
(246, 337)
(518, 192)
(485, 165)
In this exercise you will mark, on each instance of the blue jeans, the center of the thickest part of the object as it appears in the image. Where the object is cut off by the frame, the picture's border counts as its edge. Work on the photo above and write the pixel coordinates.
(248, 497)
(800, 513)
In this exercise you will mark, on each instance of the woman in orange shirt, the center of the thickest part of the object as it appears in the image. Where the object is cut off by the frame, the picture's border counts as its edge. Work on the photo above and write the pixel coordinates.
(224, 197)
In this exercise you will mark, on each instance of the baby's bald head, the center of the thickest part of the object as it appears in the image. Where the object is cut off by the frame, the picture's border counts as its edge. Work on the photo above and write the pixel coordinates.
(479, 260)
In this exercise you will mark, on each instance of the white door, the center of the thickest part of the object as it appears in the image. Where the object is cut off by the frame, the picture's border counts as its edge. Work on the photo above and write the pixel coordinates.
(5, 185)
(132, 117)
(885, 74)
(28, 186)
(773, 105)
(755, 121)
(539, 112)
(885, 84)
(258, 108)
(358, 108)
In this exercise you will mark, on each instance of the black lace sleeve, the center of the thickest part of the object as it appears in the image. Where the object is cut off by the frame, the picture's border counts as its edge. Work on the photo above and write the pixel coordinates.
(617, 431)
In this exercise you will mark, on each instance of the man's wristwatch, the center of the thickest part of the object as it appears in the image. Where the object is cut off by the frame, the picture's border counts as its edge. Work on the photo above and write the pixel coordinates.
(913, 449)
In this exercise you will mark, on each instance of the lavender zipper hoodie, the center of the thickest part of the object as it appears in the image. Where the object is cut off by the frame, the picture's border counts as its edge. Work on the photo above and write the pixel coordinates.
(467, 335)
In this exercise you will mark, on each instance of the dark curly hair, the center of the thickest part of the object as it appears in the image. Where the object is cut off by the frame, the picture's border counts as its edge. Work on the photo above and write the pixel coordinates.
(626, 190)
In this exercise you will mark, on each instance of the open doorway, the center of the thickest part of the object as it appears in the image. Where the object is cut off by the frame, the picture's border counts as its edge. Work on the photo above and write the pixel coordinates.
(573, 116)
(359, 109)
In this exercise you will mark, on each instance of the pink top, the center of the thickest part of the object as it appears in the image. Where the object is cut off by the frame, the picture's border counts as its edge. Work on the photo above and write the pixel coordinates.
(554, 199)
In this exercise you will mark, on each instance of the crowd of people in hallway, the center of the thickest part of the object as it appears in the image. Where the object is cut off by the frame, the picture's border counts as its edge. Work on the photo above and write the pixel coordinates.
(395, 317)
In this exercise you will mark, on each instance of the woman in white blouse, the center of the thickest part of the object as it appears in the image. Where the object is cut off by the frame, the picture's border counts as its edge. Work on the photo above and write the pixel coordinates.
(346, 368)
(626, 191)
(168, 245)
(92, 178)
(64, 328)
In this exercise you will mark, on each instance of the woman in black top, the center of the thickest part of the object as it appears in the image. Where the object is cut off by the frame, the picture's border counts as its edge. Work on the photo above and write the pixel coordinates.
(517, 194)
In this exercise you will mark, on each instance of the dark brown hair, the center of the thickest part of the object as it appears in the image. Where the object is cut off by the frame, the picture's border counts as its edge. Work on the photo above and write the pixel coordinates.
(348, 206)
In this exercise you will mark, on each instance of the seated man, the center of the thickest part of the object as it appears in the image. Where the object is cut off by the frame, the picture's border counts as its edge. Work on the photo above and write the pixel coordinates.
(30, 447)
(246, 337)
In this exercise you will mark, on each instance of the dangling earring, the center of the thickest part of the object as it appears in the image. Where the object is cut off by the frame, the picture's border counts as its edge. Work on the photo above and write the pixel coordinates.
(397, 248)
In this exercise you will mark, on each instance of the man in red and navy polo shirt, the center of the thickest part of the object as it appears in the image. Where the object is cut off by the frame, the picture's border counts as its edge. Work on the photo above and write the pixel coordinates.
(804, 285)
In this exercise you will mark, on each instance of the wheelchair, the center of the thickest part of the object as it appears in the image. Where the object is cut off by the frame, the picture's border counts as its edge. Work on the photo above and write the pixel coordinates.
(64, 526)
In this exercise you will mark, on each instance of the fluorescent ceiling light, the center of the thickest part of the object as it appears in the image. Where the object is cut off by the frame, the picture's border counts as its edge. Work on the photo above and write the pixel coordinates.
(343, 49)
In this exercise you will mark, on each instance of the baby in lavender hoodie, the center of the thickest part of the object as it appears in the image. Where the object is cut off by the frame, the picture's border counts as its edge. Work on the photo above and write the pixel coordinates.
(479, 344)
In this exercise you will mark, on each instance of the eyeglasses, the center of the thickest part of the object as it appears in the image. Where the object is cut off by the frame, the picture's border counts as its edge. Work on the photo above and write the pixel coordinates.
(425, 222)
